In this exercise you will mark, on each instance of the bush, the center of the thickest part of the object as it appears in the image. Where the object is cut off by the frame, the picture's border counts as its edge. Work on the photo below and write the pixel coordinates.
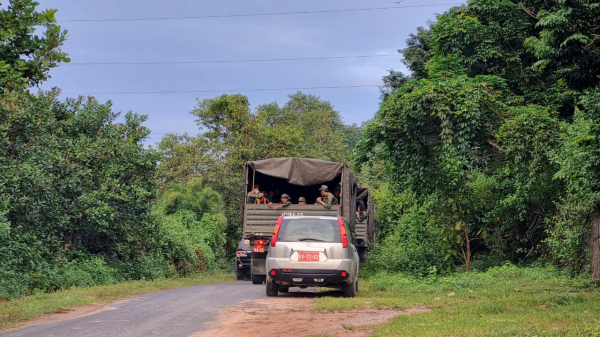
(413, 243)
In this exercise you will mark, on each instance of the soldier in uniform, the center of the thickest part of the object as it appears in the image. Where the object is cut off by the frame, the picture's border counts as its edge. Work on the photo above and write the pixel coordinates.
(254, 196)
(301, 201)
(285, 202)
(326, 199)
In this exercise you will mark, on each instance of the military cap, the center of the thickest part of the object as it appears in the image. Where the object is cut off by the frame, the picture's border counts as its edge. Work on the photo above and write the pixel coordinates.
(324, 188)
(285, 196)
(301, 199)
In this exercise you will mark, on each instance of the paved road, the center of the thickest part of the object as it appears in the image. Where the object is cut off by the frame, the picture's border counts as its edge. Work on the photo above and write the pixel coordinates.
(179, 312)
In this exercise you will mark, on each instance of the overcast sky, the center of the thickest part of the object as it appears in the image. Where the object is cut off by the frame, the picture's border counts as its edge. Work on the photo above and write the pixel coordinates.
(233, 38)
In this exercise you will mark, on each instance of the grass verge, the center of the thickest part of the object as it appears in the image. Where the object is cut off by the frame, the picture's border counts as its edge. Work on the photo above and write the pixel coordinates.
(28, 307)
(504, 301)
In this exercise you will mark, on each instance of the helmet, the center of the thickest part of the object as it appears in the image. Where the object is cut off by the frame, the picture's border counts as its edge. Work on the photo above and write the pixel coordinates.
(285, 196)
(301, 199)
(324, 188)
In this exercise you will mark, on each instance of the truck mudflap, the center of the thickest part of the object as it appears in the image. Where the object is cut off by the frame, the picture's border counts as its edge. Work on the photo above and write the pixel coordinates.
(258, 264)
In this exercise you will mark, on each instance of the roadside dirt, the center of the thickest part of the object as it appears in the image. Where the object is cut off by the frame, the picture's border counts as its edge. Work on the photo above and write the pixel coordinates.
(295, 316)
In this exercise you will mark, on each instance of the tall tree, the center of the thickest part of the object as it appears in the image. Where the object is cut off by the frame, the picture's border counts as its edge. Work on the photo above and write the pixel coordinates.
(25, 56)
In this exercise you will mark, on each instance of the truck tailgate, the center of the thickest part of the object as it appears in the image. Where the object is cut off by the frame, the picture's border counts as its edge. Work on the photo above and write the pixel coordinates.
(260, 220)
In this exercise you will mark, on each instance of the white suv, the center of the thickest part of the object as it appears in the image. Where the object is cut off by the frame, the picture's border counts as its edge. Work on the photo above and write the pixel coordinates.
(312, 251)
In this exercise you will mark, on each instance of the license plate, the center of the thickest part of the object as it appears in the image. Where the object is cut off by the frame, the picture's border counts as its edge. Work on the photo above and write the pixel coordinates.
(259, 248)
(309, 257)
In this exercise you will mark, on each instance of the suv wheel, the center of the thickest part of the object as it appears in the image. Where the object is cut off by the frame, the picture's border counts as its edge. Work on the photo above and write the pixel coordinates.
(239, 276)
(257, 279)
(350, 289)
(272, 289)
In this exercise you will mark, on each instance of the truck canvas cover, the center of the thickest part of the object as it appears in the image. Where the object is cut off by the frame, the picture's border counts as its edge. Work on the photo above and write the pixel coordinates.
(299, 171)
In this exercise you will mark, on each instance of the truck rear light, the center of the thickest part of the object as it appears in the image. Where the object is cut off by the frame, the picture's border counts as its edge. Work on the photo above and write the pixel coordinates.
(344, 274)
(273, 272)
(343, 232)
(276, 231)
(241, 254)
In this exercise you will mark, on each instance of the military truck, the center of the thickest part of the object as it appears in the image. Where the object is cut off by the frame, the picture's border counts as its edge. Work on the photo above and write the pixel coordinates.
(366, 224)
(297, 177)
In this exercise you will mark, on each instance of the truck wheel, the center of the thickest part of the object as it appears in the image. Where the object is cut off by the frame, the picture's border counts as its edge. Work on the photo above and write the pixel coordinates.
(257, 279)
(272, 289)
(350, 289)
(239, 276)
(284, 289)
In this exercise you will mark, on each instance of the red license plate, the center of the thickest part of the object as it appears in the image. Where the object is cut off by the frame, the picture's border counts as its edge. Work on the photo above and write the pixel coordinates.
(309, 257)
(259, 248)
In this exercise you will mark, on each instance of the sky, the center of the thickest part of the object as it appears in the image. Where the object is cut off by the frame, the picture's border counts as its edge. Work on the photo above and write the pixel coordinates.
(375, 32)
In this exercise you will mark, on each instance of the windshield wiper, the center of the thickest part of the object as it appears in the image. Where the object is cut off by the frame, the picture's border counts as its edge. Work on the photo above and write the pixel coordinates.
(309, 239)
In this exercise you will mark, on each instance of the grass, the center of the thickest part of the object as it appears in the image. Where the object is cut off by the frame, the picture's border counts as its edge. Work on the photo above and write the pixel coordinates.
(505, 301)
(26, 308)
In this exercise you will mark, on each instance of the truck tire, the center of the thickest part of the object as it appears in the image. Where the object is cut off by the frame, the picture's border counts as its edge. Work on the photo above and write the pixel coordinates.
(239, 275)
(350, 289)
(257, 279)
(272, 289)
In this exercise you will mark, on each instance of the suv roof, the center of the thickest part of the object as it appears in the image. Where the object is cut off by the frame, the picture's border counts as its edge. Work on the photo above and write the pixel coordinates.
(310, 217)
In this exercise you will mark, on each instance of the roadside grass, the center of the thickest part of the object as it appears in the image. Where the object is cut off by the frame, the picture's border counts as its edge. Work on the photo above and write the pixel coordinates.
(504, 301)
(25, 308)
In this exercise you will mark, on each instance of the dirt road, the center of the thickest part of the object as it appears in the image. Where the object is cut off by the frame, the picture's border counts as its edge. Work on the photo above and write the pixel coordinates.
(232, 309)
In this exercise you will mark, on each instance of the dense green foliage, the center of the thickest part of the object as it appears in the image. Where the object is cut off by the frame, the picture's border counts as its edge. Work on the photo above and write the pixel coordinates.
(78, 189)
(74, 184)
(192, 227)
(494, 138)
(26, 57)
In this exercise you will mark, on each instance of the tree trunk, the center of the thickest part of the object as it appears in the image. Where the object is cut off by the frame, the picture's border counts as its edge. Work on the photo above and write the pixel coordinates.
(596, 248)
(468, 255)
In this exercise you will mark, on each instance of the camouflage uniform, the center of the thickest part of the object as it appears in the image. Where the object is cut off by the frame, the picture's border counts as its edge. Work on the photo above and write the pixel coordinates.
(329, 199)
(287, 203)
(253, 198)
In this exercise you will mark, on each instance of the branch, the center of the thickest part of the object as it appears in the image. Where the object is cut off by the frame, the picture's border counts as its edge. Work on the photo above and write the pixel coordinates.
(498, 147)
(529, 12)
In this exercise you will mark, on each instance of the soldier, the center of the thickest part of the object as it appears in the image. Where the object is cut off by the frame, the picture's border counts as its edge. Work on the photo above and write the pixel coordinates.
(326, 199)
(360, 210)
(301, 201)
(285, 202)
(254, 196)
(337, 191)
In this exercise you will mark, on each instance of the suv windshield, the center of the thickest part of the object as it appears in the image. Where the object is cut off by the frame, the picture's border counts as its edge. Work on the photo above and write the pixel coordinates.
(294, 230)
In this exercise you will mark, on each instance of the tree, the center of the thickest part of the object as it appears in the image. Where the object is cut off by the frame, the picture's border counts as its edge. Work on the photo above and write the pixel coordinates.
(74, 183)
(192, 226)
(496, 129)
(25, 56)
(418, 51)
